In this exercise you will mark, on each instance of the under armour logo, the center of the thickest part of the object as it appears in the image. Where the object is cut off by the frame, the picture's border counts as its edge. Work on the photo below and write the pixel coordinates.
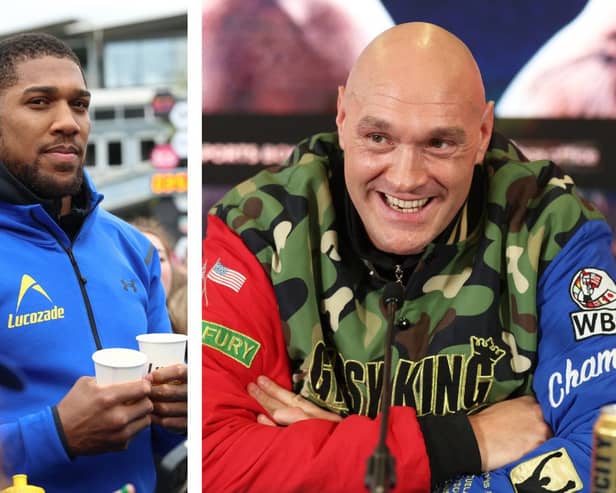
(129, 284)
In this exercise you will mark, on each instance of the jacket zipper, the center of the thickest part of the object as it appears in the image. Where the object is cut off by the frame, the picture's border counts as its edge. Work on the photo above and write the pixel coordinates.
(399, 274)
(82, 286)
(80, 279)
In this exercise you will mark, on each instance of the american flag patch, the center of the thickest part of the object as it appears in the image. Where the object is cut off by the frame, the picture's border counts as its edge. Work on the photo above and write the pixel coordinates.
(227, 277)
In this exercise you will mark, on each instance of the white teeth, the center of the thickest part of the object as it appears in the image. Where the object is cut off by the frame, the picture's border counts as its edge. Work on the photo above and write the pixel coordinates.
(406, 206)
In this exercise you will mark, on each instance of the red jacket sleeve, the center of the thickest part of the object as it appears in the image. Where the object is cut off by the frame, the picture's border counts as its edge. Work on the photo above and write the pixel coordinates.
(242, 339)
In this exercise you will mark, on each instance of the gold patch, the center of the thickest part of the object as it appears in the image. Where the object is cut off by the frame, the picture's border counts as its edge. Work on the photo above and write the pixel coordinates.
(552, 471)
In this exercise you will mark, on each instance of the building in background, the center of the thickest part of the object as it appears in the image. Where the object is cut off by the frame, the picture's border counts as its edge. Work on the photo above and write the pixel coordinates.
(136, 68)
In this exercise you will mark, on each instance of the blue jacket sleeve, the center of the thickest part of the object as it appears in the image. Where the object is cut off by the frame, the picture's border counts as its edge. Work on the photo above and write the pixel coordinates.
(30, 442)
(576, 368)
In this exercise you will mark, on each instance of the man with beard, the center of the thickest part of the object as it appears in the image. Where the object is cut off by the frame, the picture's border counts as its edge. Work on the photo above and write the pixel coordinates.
(75, 279)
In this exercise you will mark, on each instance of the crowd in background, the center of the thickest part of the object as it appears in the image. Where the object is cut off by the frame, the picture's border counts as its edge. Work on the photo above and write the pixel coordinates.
(173, 271)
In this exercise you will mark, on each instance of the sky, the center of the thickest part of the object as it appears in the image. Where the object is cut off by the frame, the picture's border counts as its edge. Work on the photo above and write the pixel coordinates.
(27, 14)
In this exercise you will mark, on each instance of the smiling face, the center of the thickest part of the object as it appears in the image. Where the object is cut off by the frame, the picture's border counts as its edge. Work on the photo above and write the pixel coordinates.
(413, 123)
(44, 126)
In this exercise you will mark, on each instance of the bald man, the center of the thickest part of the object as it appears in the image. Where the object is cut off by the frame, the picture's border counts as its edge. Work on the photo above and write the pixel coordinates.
(508, 286)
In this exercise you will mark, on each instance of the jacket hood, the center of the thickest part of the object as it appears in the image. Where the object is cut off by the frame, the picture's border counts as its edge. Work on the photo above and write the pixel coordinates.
(15, 192)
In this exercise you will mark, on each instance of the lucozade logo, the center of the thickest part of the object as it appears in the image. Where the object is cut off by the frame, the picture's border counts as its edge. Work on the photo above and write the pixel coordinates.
(17, 319)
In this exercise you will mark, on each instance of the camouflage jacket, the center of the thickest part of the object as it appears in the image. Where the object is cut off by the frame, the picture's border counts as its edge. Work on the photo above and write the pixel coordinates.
(473, 300)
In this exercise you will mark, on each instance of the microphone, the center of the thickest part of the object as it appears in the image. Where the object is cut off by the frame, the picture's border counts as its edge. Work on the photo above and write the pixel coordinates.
(381, 470)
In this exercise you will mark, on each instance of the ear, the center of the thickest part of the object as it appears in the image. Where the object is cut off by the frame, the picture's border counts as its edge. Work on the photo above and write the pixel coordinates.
(340, 115)
(485, 131)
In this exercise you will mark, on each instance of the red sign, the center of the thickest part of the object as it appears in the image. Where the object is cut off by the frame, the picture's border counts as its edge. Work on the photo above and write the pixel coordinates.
(162, 104)
(164, 157)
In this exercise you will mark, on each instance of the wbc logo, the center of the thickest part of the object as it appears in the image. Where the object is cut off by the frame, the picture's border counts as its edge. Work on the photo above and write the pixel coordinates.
(592, 288)
(594, 291)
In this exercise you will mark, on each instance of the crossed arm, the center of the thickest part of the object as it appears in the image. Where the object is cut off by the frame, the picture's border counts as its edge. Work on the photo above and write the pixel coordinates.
(492, 427)
(258, 436)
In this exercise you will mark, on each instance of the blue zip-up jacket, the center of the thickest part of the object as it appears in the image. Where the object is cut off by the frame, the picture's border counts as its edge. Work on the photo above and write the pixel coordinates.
(61, 300)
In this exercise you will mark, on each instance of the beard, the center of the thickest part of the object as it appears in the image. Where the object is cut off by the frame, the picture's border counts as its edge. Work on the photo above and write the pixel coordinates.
(44, 185)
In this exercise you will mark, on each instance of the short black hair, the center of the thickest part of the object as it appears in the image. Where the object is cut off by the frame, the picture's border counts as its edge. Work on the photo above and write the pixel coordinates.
(28, 46)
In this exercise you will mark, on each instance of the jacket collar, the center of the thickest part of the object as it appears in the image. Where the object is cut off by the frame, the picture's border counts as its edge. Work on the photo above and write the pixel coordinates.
(15, 192)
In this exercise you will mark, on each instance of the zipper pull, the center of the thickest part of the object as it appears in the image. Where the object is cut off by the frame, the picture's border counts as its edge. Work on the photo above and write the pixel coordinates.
(399, 273)
(401, 324)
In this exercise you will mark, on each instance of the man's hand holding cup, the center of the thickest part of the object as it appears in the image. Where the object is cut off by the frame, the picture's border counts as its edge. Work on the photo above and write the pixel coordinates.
(169, 377)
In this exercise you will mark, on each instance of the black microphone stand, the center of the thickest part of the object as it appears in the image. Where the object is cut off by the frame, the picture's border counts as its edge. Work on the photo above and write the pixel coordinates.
(381, 470)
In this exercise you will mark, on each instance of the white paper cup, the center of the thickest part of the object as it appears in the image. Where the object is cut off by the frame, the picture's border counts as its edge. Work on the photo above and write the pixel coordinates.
(117, 365)
(162, 349)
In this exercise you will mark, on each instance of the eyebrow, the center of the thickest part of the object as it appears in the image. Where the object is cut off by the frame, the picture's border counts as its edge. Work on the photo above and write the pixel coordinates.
(456, 133)
(373, 123)
(54, 90)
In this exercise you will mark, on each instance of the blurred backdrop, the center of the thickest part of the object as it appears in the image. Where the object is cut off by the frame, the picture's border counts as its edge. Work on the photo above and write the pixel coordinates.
(271, 68)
